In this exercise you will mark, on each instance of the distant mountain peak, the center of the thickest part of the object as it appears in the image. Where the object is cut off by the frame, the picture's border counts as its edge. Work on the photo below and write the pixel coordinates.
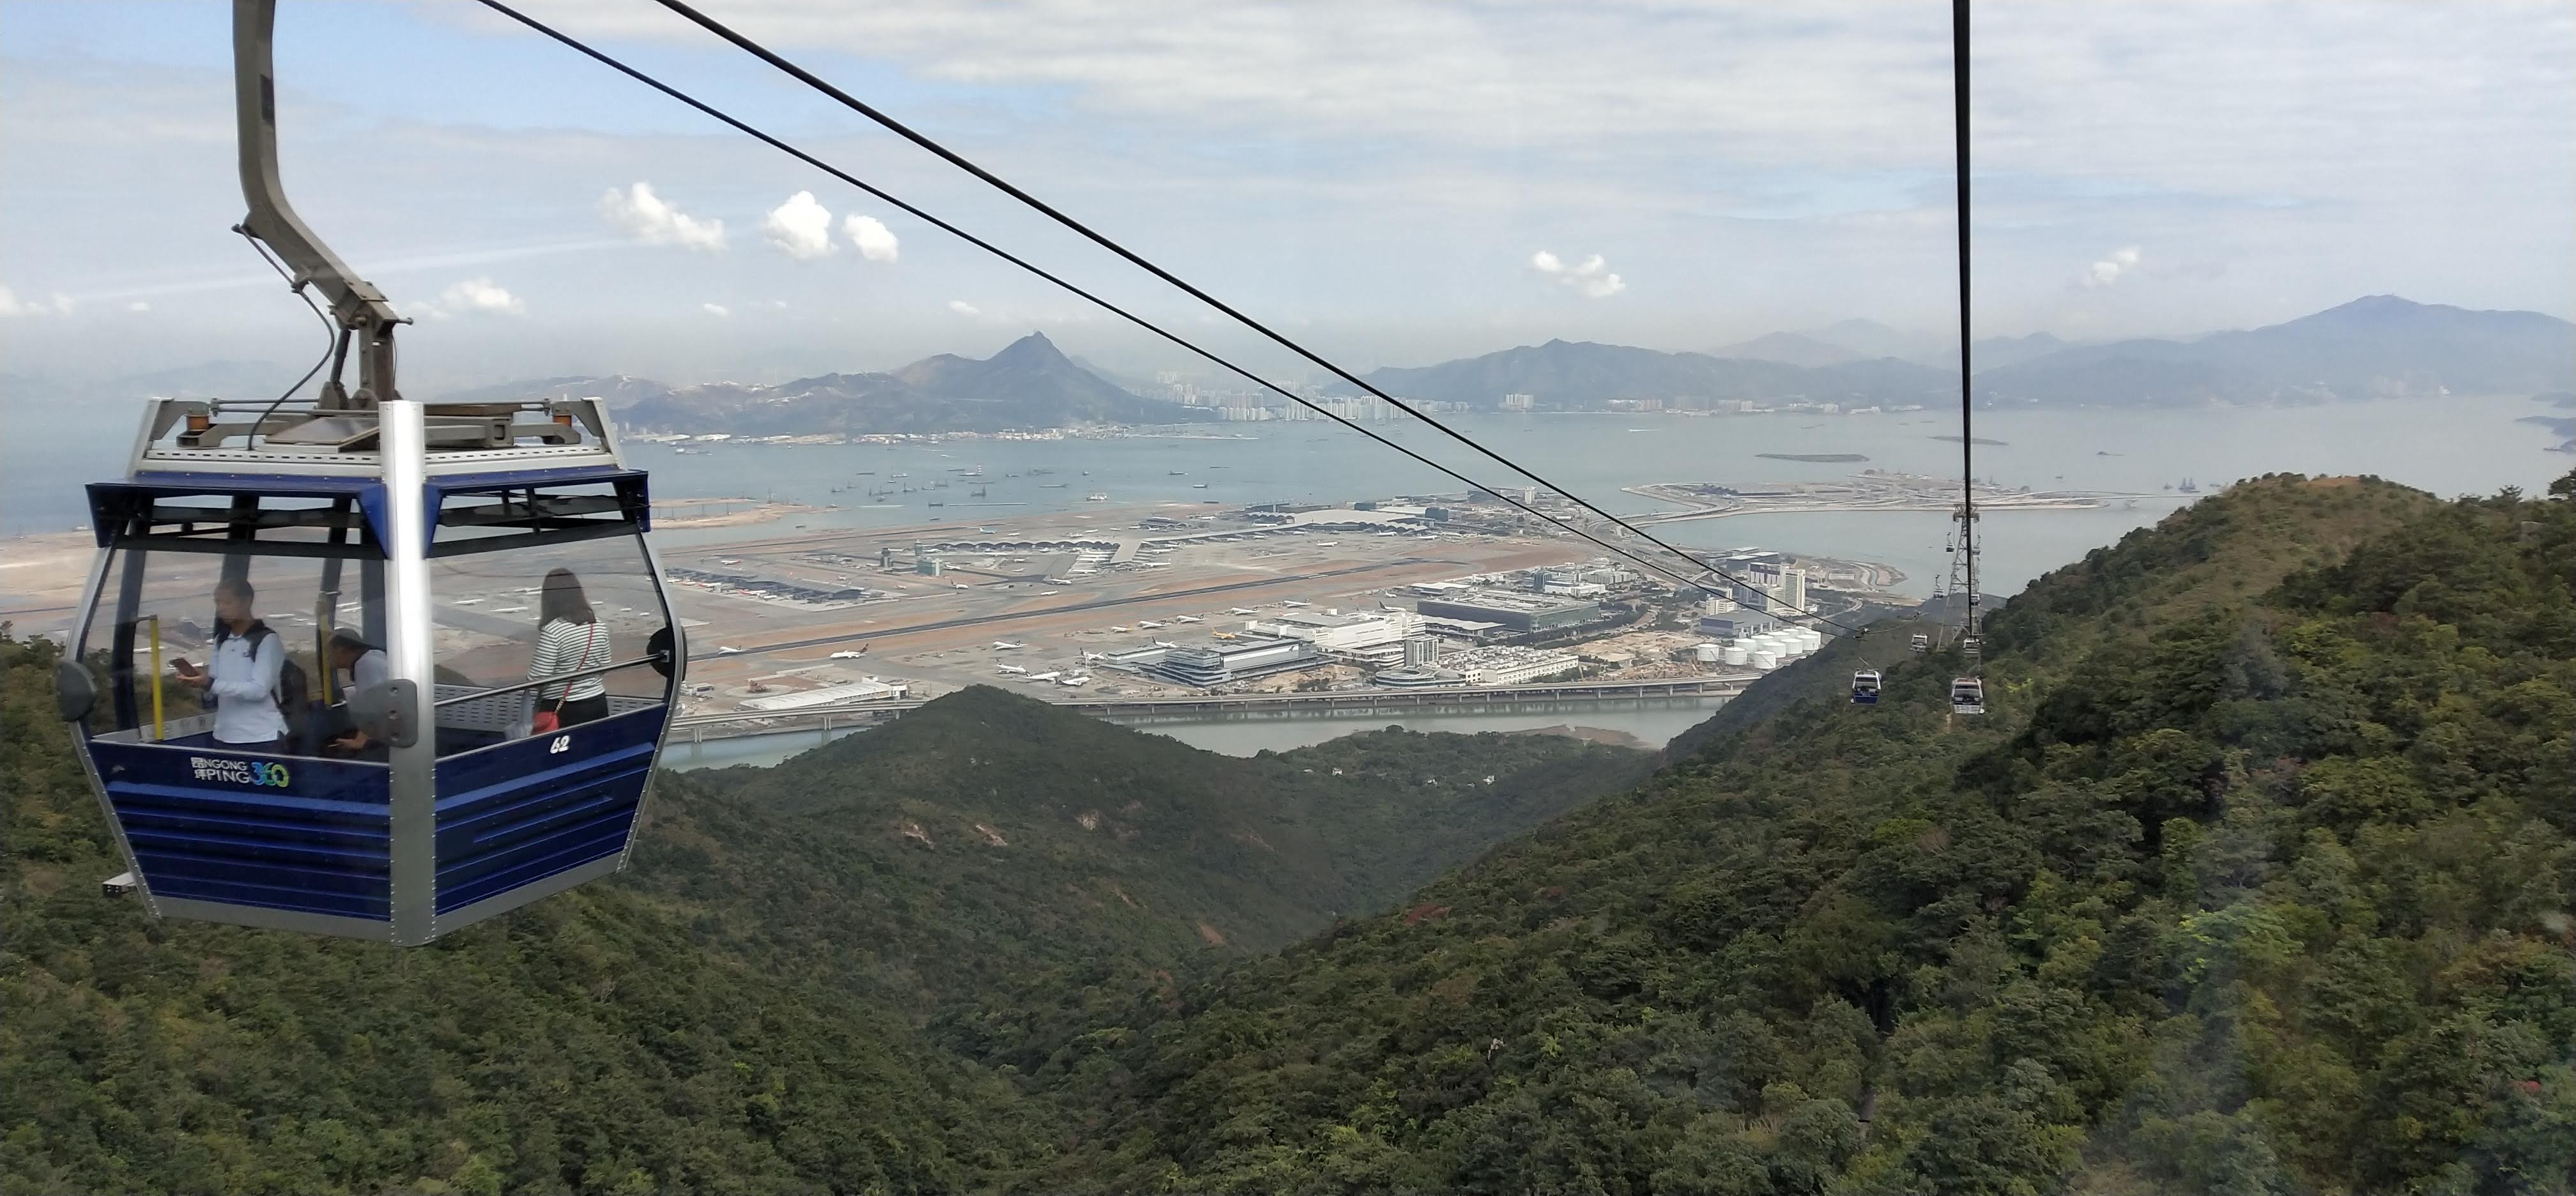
(1029, 384)
(1034, 348)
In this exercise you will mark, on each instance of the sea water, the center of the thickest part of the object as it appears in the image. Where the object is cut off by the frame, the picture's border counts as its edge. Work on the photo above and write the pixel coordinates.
(2450, 446)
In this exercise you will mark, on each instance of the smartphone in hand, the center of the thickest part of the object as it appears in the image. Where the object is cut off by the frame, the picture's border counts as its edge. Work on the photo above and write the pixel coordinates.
(181, 666)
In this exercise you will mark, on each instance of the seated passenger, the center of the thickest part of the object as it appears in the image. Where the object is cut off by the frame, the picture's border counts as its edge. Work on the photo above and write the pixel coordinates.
(355, 665)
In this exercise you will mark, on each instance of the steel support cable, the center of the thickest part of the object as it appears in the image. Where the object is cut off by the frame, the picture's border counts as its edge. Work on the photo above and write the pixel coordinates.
(613, 63)
(1967, 433)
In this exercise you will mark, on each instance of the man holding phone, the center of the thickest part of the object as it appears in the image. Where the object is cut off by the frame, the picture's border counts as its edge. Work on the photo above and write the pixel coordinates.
(240, 679)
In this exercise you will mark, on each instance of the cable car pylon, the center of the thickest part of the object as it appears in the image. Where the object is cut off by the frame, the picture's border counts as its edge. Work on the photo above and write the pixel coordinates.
(469, 763)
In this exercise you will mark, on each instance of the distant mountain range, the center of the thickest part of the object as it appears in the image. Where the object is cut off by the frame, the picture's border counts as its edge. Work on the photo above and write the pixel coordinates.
(2379, 346)
(2374, 347)
(1028, 385)
(1582, 373)
(621, 390)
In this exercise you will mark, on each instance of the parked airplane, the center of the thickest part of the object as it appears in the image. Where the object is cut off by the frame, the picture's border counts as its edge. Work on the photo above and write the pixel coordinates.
(1117, 628)
(1293, 602)
(1014, 669)
(1185, 618)
(726, 649)
(1076, 681)
(1241, 610)
(851, 654)
(1049, 675)
(960, 586)
(1147, 623)
(1049, 593)
(1165, 644)
(1006, 646)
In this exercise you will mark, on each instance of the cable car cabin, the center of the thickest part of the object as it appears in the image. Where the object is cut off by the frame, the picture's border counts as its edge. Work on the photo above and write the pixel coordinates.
(1922, 643)
(1972, 646)
(380, 672)
(1967, 695)
(1865, 685)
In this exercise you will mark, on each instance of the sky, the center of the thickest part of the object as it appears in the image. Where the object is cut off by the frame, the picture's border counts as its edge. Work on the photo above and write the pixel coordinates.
(1397, 182)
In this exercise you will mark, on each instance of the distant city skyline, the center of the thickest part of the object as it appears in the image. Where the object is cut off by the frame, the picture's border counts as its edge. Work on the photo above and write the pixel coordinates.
(1400, 183)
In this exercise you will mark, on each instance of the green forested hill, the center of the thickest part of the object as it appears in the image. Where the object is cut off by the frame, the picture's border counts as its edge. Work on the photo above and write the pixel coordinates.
(591, 1041)
(2257, 879)
(743, 1011)
(988, 835)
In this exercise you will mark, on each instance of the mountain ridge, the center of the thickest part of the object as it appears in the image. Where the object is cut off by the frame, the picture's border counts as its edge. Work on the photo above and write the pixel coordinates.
(1562, 372)
(1027, 385)
(2156, 922)
(2375, 346)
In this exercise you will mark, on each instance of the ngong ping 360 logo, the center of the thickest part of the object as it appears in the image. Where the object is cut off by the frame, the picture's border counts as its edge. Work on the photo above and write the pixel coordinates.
(239, 772)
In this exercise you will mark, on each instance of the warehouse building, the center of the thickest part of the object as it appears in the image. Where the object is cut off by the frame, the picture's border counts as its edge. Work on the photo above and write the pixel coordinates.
(1517, 611)
(1215, 663)
(829, 695)
(1504, 665)
(1374, 638)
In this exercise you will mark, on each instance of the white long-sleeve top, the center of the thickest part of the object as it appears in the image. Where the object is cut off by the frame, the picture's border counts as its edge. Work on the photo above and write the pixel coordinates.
(562, 646)
(245, 668)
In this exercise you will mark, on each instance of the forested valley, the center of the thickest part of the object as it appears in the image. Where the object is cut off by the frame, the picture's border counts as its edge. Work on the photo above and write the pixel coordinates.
(2256, 878)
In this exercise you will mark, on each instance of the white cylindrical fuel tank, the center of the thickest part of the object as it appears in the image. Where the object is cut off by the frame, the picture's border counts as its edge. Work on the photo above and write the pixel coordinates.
(1708, 653)
(1766, 661)
(1738, 654)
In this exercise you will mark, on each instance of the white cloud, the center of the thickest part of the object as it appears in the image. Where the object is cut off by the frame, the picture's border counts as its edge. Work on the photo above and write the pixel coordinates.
(1592, 279)
(2110, 269)
(474, 297)
(715, 309)
(800, 227)
(138, 306)
(874, 240)
(10, 305)
(963, 308)
(639, 213)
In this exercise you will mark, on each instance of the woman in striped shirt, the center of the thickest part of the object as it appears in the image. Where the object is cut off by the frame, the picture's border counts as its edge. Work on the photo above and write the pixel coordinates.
(569, 636)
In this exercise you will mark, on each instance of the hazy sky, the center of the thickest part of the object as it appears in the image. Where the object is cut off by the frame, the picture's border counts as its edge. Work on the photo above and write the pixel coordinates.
(1401, 182)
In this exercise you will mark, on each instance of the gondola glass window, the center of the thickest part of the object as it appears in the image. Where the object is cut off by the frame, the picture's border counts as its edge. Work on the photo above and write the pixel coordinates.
(538, 582)
(213, 616)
